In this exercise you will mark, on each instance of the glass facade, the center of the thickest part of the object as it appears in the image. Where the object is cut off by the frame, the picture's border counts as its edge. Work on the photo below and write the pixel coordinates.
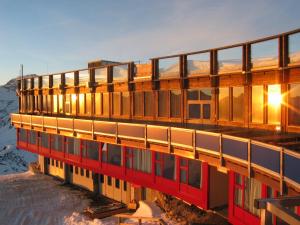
(224, 104)
(163, 102)
(198, 64)
(293, 104)
(274, 104)
(84, 77)
(101, 75)
(230, 60)
(120, 73)
(257, 104)
(169, 67)
(175, 100)
(238, 104)
(264, 54)
(294, 48)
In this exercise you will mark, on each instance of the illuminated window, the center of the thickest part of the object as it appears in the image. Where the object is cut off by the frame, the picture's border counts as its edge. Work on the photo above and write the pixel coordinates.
(60, 103)
(81, 104)
(293, 104)
(238, 104)
(98, 104)
(105, 104)
(88, 103)
(274, 104)
(257, 104)
(68, 104)
(74, 104)
(223, 103)
(55, 103)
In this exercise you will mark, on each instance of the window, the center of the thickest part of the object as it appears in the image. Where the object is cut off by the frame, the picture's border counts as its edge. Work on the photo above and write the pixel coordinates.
(32, 137)
(293, 104)
(169, 67)
(36, 82)
(84, 77)
(61, 165)
(74, 104)
(45, 103)
(101, 178)
(70, 145)
(274, 104)
(165, 165)
(60, 103)
(294, 48)
(104, 152)
(68, 104)
(56, 163)
(139, 160)
(87, 173)
(81, 172)
(163, 102)
(101, 75)
(81, 104)
(56, 80)
(257, 104)
(52, 162)
(175, 103)
(238, 104)
(49, 103)
(76, 146)
(88, 103)
(117, 183)
(45, 82)
(109, 181)
(45, 140)
(69, 79)
(149, 103)
(199, 103)
(125, 103)
(264, 54)
(138, 103)
(98, 104)
(22, 135)
(55, 103)
(91, 150)
(116, 103)
(76, 170)
(120, 73)
(246, 190)
(230, 60)
(105, 106)
(224, 104)
(124, 186)
(57, 142)
(114, 154)
(71, 169)
(198, 64)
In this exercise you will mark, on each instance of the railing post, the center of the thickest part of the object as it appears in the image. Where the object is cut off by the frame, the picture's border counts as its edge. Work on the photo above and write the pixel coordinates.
(281, 172)
(221, 151)
(249, 158)
(145, 132)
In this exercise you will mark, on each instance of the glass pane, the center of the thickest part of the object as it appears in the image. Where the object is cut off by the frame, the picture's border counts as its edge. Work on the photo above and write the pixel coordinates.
(257, 104)
(294, 48)
(88, 103)
(74, 101)
(138, 103)
(252, 192)
(92, 150)
(183, 176)
(230, 60)
(169, 167)
(183, 162)
(223, 103)
(274, 104)
(36, 82)
(104, 152)
(105, 106)
(169, 67)
(125, 103)
(293, 104)
(163, 103)
(81, 104)
(101, 75)
(194, 111)
(114, 155)
(193, 95)
(175, 103)
(68, 104)
(149, 104)
(198, 64)
(28, 83)
(264, 54)
(55, 104)
(56, 80)
(238, 104)
(120, 73)
(206, 111)
(116, 103)
(76, 146)
(45, 81)
(194, 173)
(60, 103)
(98, 103)
(84, 77)
(69, 78)
(45, 140)
(205, 94)
(238, 197)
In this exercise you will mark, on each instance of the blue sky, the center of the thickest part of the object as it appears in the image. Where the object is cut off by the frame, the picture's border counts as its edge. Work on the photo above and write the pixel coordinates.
(54, 36)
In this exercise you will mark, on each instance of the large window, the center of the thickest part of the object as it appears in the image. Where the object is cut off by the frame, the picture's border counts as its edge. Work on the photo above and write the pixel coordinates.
(56, 80)
(112, 154)
(98, 104)
(230, 60)
(175, 102)
(163, 103)
(294, 104)
(165, 166)
(138, 98)
(32, 137)
(149, 103)
(84, 77)
(101, 75)
(199, 103)
(57, 142)
(116, 103)
(198, 64)
(90, 150)
(274, 104)
(264, 54)
(246, 190)
(138, 159)
(238, 104)
(105, 104)
(224, 104)
(45, 140)
(169, 67)
(294, 48)
(70, 145)
(120, 73)
(190, 172)
(22, 135)
(81, 104)
(257, 104)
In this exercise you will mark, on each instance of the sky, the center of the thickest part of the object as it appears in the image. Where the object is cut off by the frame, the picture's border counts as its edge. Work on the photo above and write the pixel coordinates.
(57, 35)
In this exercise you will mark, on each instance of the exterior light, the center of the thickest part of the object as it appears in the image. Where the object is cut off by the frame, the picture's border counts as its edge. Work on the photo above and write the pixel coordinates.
(274, 96)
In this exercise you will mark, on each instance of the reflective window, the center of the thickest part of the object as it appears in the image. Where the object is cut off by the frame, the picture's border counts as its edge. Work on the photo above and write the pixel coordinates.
(294, 48)
(105, 103)
(230, 60)
(223, 103)
(56, 80)
(70, 145)
(257, 104)
(274, 104)
(139, 160)
(45, 140)
(74, 103)
(116, 103)
(69, 79)
(81, 104)
(125, 103)
(84, 77)
(169, 67)
(163, 103)
(294, 104)
(88, 103)
(92, 150)
(198, 64)
(55, 103)
(264, 54)
(175, 103)
(57, 142)
(45, 81)
(198, 103)
(36, 82)
(32, 137)
(28, 83)
(138, 103)
(149, 103)
(76, 146)
(120, 73)
(101, 75)
(68, 104)
(114, 154)
(23, 135)
(238, 104)
(98, 103)
(60, 103)
(169, 167)
(194, 173)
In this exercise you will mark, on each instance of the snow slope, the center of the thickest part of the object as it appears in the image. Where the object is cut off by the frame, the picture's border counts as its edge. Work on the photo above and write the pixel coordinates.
(11, 159)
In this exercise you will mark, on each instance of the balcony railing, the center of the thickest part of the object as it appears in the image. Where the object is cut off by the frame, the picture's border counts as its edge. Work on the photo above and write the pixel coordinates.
(278, 162)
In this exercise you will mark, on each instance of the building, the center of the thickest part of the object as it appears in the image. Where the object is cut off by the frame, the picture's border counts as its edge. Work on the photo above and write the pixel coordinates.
(219, 127)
